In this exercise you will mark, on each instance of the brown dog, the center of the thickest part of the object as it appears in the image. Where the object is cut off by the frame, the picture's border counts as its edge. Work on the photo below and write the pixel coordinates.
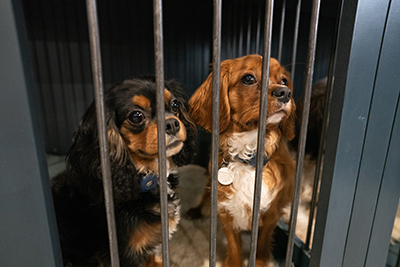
(239, 118)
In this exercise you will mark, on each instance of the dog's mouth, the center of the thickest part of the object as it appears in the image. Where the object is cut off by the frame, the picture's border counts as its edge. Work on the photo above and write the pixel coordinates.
(171, 149)
(276, 117)
(174, 144)
(174, 148)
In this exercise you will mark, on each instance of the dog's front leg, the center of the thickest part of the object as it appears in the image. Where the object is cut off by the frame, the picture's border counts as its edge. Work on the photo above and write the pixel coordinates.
(153, 261)
(234, 253)
(265, 232)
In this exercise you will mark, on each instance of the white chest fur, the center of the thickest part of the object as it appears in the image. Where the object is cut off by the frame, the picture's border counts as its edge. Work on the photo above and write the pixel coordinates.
(238, 203)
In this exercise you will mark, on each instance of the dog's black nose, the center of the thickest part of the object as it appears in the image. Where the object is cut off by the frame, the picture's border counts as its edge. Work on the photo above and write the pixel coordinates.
(172, 126)
(282, 94)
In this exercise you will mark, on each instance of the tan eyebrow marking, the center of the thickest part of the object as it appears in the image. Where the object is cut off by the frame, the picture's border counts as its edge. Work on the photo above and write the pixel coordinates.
(167, 96)
(141, 101)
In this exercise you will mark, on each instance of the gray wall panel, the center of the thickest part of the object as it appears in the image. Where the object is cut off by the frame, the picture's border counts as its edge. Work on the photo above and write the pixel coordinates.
(369, 32)
(333, 246)
(388, 79)
(28, 231)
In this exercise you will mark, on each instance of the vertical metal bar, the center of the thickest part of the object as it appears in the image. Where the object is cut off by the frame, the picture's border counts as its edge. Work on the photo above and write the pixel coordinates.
(229, 31)
(159, 64)
(248, 43)
(261, 130)
(240, 45)
(281, 31)
(216, 76)
(235, 30)
(398, 260)
(322, 143)
(258, 31)
(295, 37)
(303, 129)
(94, 37)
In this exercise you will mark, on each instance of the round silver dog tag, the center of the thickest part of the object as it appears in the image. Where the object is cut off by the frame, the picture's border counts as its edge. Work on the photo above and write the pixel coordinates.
(225, 176)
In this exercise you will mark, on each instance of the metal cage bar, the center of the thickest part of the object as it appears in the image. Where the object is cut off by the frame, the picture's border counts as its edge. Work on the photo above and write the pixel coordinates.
(94, 37)
(159, 64)
(295, 38)
(216, 76)
(261, 130)
(303, 130)
(248, 41)
(281, 31)
(258, 30)
(322, 144)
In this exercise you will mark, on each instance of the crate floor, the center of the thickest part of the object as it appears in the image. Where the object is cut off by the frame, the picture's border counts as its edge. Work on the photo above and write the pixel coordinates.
(189, 246)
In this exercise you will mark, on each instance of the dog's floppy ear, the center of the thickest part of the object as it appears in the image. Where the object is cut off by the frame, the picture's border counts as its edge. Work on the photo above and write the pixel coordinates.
(288, 125)
(201, 101)
(84, 152)
(83, 159)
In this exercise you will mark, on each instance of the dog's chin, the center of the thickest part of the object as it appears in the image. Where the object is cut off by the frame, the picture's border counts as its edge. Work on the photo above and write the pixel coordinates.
(276, 117)
(174, 148)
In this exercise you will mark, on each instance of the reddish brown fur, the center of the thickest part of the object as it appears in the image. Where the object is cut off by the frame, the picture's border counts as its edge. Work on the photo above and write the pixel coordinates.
(239, 112)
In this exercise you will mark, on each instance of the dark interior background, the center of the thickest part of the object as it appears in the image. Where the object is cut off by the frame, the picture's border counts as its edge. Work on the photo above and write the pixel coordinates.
(59, 46)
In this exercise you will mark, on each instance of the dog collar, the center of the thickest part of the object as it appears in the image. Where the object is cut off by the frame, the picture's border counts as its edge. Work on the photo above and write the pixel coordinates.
(252, 161)
(225, 175)
(148, 182)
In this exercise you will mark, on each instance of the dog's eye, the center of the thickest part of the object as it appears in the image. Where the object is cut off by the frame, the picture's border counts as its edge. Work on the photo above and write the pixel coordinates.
(284, 81)
(248, 79)
(136, 117)
(175, 106)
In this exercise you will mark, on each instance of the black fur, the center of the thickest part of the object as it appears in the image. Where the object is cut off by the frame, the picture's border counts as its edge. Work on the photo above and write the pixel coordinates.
(78, 192)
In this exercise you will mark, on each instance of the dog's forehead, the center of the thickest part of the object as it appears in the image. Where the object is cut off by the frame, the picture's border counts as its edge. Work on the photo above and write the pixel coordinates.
(145, 100)
(142, 101)
(254, 62)
(275, 67)
(250, 62)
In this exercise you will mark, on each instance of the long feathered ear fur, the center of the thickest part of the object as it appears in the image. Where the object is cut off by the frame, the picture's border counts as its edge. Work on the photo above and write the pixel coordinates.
(84, 164)
(288, 125)
(201, 101)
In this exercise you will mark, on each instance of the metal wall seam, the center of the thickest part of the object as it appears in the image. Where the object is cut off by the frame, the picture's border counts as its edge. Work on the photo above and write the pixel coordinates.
(101, 126)
(159, 65)
(261, 131)
(303, 129)
(216, 76)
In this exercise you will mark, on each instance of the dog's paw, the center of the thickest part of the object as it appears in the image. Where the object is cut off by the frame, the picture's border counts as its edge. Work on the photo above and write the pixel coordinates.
(194, 213)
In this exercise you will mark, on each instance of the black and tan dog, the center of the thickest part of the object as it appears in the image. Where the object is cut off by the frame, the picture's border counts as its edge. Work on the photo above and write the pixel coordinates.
(131, 119)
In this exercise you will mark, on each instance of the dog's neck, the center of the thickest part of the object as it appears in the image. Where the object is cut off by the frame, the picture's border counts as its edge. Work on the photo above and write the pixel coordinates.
(243, 146)
(147, 165)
